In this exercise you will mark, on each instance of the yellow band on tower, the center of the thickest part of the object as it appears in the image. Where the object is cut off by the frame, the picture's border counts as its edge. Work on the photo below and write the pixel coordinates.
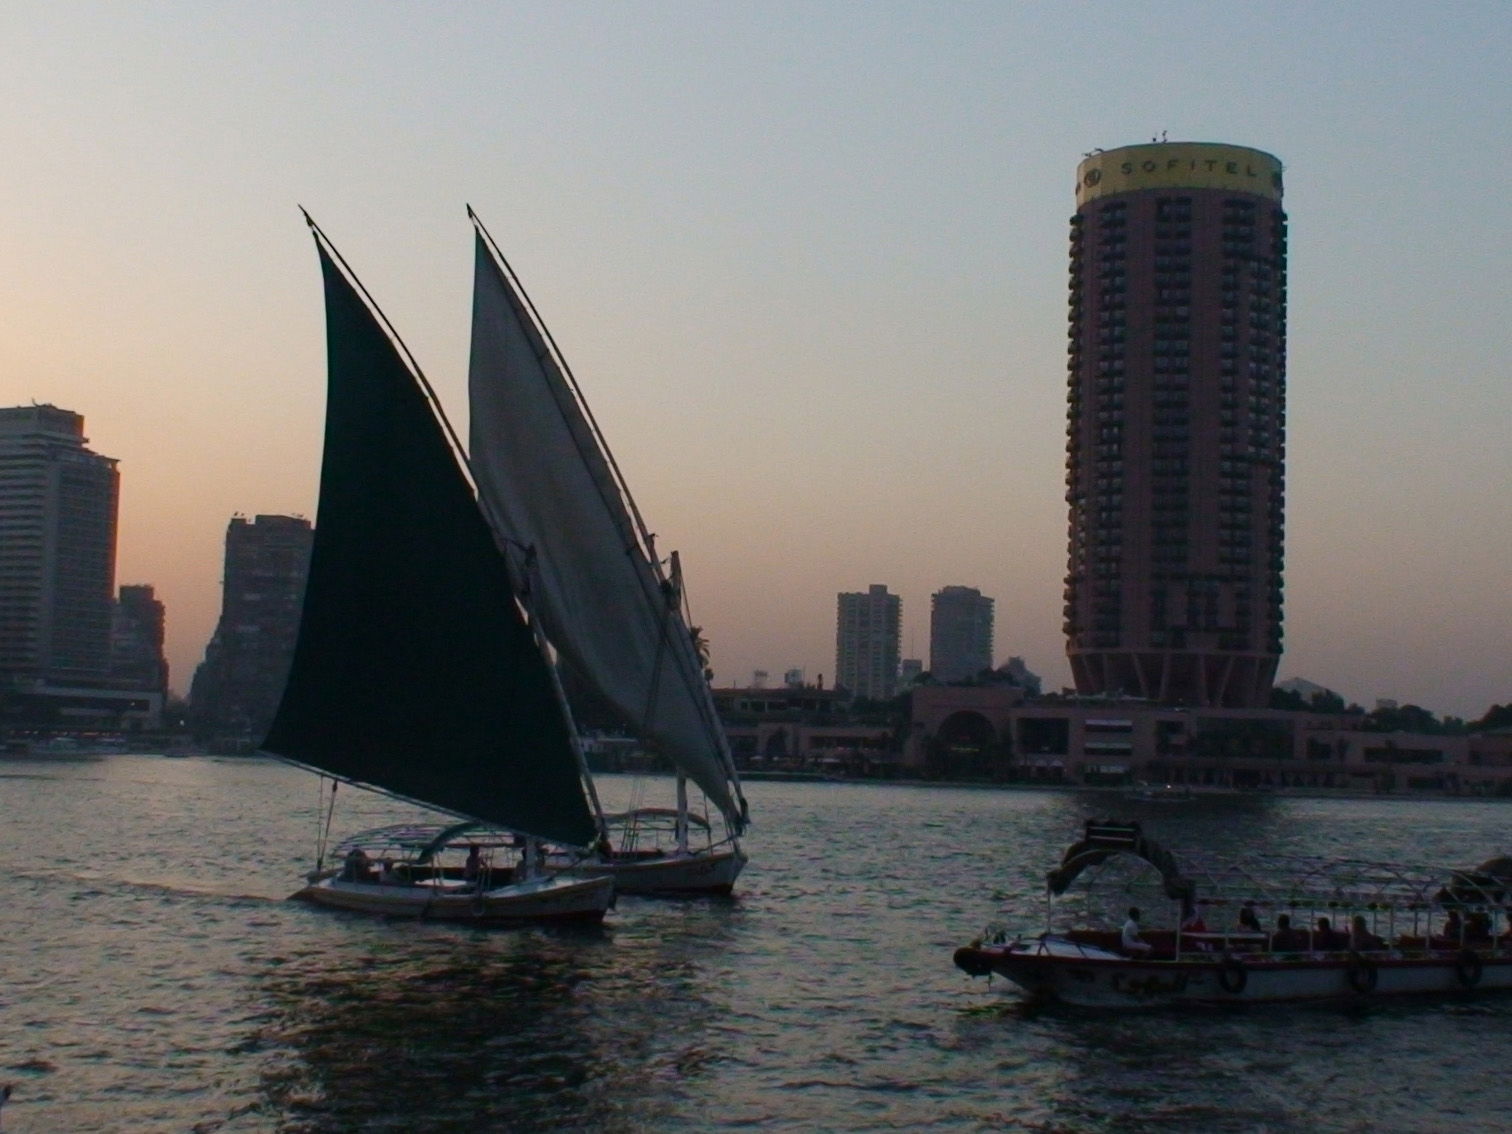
(1178, 165)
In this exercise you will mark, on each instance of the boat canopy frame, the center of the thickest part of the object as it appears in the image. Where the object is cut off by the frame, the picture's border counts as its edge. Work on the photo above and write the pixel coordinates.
(426, 840)
(1284, 882)
(648, 817)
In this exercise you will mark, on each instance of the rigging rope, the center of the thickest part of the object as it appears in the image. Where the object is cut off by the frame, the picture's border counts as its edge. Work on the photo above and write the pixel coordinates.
(324, 835)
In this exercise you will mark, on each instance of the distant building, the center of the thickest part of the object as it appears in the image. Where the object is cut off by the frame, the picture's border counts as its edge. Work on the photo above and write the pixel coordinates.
(58, 508)
(802, 728)
(58, 505)
(1176, 424)
(136, 641)
(960, 633)
(996, 732)
(237, 687)
(867, 635)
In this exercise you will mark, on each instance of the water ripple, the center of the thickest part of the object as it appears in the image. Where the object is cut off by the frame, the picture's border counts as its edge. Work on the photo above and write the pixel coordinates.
(161, 987)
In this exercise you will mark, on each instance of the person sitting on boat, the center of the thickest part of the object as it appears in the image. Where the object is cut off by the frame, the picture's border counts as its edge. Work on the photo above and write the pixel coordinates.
(1286, 939)
(1361, 940)
(472, 869)
(1191, 919)
(387, 875)
(355, 867)
(1454, 928)
(1249, 921)
(1130, 939)
(1478, 928)
(1327, 939)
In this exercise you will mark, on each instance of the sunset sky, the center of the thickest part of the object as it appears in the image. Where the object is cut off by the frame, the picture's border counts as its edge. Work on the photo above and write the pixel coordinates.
(808, 261)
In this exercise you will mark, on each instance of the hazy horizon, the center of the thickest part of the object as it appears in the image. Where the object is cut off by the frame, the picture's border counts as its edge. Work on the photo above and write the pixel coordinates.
(808, 262)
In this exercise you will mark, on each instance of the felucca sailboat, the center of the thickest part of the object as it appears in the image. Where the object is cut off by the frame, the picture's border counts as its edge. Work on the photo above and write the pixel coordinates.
(586, 568)
(415, 673)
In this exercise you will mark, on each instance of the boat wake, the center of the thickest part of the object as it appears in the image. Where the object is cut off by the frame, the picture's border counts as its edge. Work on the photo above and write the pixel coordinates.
(177, 888)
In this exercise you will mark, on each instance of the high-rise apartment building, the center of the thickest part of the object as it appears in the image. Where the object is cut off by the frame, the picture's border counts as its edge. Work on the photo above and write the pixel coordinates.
(960, 633)
(237, 687)
(1176, 435)
(867, 635)
(137, 637)
(58, 503)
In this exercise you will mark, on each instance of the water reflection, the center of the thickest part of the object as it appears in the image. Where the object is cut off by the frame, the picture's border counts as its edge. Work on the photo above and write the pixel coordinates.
(441, 1029)
(157, 980)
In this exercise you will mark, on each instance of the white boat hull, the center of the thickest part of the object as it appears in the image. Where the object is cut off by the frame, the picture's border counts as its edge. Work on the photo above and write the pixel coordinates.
(543, 900)
(1085, 975)
(711, 872)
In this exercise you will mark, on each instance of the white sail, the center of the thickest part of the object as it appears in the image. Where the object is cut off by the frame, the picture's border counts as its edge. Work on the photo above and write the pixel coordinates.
(551, 492)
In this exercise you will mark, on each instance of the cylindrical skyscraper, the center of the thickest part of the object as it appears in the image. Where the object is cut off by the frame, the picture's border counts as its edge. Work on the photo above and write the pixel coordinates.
(1176, 426)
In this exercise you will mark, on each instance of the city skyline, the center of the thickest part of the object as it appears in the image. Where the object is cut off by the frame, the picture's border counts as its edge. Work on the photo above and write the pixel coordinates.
(809, 268)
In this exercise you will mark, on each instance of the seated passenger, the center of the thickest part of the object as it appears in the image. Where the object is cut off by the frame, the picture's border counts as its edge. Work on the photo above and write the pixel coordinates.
(1130, 938)
(1454, 928)
(1286, 939)
(355, 867)
(1478, 928)
(1191, 920)
(1327, 939)
(1249, 921)
(387, 875)
(1361, 940)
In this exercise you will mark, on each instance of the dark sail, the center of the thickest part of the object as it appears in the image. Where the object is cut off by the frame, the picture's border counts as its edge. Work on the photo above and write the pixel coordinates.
(414, 672)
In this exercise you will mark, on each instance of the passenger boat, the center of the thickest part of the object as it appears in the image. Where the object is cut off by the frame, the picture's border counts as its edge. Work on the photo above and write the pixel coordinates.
(415, 671)
(664, 851)
(1413, 931)
(458, 872)
(609, 605)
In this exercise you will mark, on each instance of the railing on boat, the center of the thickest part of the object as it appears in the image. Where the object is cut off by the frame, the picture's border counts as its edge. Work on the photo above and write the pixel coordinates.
(1424, 910)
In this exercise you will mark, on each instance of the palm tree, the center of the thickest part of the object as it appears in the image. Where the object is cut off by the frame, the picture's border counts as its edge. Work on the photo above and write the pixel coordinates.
(701, 648)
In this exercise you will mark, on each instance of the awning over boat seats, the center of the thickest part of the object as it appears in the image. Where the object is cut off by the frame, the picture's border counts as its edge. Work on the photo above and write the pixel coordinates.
(1105, 838)
(1487, 884)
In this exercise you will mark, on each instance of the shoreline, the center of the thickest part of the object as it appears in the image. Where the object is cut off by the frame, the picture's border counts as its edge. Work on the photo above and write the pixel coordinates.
(1199, 794)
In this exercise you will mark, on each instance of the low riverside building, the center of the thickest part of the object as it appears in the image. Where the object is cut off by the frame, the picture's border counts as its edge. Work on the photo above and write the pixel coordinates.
(995, 732)
(804, 728)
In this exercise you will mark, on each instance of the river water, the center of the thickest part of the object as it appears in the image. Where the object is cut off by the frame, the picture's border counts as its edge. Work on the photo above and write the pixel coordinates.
(153, 977)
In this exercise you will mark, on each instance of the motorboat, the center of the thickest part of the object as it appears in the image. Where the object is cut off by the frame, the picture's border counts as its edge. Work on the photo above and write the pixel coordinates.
(1293, 928)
